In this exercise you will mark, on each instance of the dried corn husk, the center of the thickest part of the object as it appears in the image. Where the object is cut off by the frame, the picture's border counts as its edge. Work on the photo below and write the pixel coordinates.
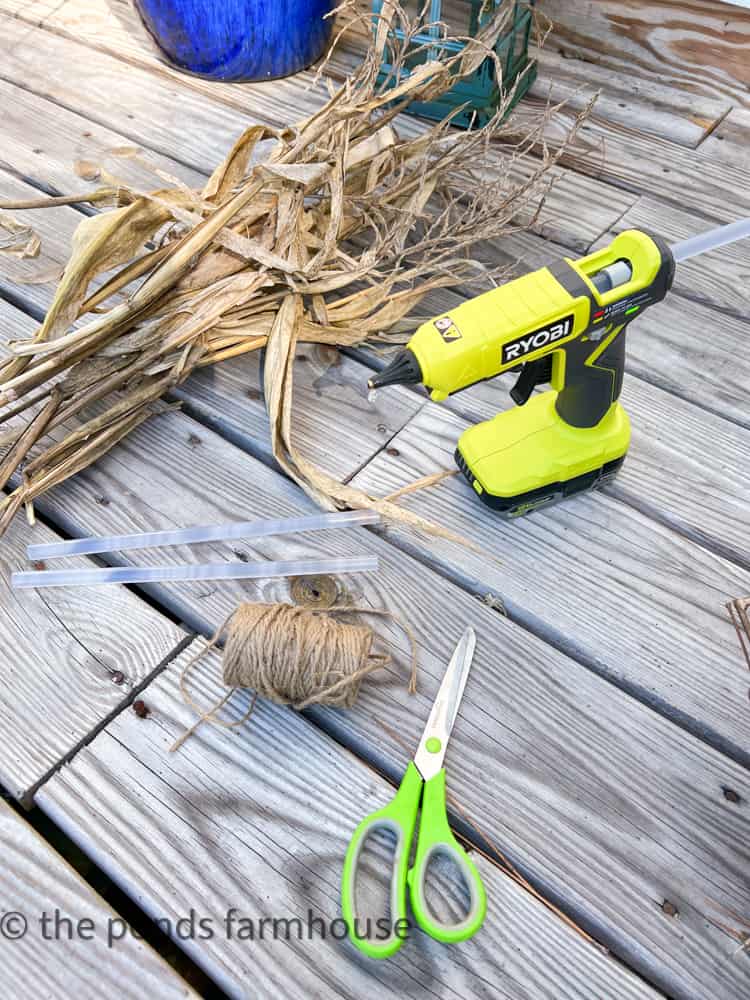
(330, 231)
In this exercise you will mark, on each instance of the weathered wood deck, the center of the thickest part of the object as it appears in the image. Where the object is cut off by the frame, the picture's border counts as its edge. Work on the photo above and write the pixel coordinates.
(603, 739)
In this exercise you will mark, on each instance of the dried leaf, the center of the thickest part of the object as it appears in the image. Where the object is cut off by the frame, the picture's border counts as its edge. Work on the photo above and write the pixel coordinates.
(332, 234)
(309, 175)
(100, 243)
(20, 239)
(370, 148)
(227, 176)
(321, 487)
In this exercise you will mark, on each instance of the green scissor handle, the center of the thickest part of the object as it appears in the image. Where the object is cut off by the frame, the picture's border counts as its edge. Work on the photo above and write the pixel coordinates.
(435, 836)
(400, 818)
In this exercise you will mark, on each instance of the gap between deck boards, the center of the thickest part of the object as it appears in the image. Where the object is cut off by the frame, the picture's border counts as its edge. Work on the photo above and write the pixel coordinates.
(123, 706)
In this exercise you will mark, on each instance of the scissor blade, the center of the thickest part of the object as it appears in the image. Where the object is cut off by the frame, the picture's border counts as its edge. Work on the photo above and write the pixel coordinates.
(430, 754)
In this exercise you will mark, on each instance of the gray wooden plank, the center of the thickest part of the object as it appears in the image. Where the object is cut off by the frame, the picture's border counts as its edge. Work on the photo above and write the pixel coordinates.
(32, 280)
(259, 820)
(37, 884)
(337, 425)
(150, 110)
(730, 141)
(688, 468)
(575, 205)
(164, 111)
(718, 278)
(697, 47)
(578, 820)
(114, 27)
(43, 140)
(645, 606)
(675, 113)
(14, 323)
(636, 161)
(68, 659)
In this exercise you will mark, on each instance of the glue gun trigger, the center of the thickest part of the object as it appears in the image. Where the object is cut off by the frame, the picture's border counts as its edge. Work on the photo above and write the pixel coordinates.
(533, 373)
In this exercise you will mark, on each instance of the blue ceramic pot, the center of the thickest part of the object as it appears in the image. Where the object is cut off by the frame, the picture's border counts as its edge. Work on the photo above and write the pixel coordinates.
(239, 39)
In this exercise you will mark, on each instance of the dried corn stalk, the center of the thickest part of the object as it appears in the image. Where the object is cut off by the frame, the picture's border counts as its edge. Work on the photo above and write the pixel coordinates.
(331, 236)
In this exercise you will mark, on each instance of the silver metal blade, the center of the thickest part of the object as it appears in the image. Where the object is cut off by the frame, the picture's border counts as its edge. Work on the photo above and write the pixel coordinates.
(714, 238)
(429, 759)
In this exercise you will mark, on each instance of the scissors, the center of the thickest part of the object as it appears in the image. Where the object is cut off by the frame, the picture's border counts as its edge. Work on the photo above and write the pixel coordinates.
(423, 782)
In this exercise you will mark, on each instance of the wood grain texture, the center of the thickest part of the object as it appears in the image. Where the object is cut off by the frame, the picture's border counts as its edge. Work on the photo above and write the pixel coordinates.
(43, 140)
(38, 882)
(698, 45)
(624, 97)
(645, 605)
(63, 652)
(60, 649)
(578, 822)
(259, 820)
(695, 353)
(32, 280)
(146, 108)
(633, 160)
(14, 323)
(687, 468)
(731, 140)
(114, 27)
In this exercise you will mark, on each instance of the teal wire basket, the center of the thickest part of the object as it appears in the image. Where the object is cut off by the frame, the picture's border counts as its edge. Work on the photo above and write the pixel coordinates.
(480, 93)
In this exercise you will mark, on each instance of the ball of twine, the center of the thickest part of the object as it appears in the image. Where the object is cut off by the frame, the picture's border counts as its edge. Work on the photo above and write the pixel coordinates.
(294, 655)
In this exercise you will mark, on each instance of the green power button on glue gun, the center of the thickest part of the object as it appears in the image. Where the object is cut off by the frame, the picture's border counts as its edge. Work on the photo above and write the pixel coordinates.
(423, 784)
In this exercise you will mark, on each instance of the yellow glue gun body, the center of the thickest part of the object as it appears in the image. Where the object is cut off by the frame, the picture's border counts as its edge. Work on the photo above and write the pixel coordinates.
(563, 325)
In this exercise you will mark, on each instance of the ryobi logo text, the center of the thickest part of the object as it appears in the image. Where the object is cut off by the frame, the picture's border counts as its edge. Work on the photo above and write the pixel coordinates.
(516, 349)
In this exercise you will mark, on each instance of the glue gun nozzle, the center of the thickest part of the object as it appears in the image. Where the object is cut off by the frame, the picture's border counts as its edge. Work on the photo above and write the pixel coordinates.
(403, 370)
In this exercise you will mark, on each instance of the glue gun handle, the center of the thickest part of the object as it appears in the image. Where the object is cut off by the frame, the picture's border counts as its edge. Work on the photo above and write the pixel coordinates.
(593, 377)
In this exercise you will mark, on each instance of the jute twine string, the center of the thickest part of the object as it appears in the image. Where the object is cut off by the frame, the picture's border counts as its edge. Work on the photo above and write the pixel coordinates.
(293, 655)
